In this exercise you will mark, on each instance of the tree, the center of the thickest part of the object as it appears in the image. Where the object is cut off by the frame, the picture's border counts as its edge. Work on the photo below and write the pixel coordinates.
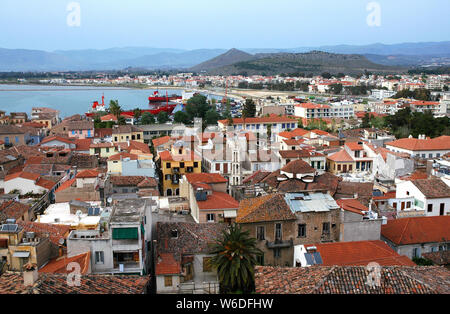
(326, 75)
(366, 121)
(269, 131)
(162, 117)
(121, 120)
(335, 88)
(137, 114)
(300, 123)
(197, 106)
(181, 117)
(249, 110)
(114, 108)
(211, 117)
(147, 118)
(235, 259)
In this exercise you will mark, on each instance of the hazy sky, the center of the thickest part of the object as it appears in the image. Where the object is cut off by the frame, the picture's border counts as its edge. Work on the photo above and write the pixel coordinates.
(192, 24)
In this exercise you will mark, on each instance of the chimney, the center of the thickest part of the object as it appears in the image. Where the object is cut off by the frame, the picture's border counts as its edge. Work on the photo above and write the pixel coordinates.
(30, 274)
(429, 167)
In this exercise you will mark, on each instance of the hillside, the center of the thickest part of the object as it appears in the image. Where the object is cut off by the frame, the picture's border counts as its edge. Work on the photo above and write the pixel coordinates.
(230, 57)
(314, 62)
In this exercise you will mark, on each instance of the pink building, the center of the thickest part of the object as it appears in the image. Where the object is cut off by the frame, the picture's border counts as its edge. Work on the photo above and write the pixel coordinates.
(80, 129)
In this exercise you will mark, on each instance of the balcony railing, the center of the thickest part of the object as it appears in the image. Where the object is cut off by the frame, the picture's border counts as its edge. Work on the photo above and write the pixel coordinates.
(278, 244)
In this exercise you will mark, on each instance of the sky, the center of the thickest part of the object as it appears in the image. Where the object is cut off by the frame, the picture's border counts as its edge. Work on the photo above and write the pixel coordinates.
(195, 24)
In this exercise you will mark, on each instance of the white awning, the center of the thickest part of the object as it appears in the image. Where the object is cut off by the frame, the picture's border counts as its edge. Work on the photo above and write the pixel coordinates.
(229, 214)
(21, 254)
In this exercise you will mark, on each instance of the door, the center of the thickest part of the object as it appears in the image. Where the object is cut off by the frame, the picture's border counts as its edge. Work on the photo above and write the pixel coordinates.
(441, 209)
(345, 168)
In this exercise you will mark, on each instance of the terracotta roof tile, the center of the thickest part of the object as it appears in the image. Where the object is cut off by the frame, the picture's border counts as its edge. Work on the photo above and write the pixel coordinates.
(415, 230)
(59, 265)
(270, 207)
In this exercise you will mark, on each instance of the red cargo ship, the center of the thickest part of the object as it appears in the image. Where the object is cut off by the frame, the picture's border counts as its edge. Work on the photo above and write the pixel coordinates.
(157, 98)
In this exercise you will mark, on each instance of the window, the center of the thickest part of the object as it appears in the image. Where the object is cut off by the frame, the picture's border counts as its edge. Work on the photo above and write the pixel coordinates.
(441, 209)
(207, 268)
(217, 167)
(326, 228)
(195, 164)
(278, 233)
(107, 149)
(301, 231)
(408, 204)
(181, 164)
(260, 233)
(416, 252)
(260, 259)
(115, 138)
(17, 139)
(339, 167)
(430, 208)
(394, 205)
(167, 176)
(125, 233)
(168, 165)
(139, 136)
(99, 257)
(407, 192)
(277, 253)
(167, 281)
(210, 217)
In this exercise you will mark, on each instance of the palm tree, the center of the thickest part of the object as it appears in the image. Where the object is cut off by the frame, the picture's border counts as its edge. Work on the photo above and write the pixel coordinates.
(114, 108)
(137, 113)
(235, 259)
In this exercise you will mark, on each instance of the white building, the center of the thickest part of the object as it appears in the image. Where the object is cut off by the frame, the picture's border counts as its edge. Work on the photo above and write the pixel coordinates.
(430, 195)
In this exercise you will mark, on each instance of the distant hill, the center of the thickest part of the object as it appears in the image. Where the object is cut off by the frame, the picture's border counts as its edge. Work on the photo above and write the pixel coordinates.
(314, 62)
(230, 57)
(405, 54)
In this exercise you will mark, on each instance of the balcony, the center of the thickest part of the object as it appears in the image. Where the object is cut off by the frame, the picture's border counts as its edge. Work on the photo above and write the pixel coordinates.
(279, 244)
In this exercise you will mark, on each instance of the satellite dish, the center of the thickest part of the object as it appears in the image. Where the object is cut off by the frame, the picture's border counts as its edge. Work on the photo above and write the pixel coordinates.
(61, 241)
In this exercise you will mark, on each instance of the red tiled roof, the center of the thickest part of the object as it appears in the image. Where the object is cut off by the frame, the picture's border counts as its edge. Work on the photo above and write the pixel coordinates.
(298, 167)
(352, 205)
(13, 210)
(354, 146)
(270, 207)
(270, 119)
(167, 156)
(312, 106)
(340, 156)
(415, 230)
(50, 283)
(55, 232)
(65, 185)
(167, 265)
(134, 145)
(413, 144)
(56, 138)
(46, 184)
(205, 178)
(160, 140)
(83, 144)
(59, 265)
(88, 173)
(24, 175)
(218, 200)
(108, 117)
(123, 155)
(360, 253)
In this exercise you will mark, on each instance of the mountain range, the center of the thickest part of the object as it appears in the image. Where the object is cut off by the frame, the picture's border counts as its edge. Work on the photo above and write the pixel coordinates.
(235, 62)
(405, 54)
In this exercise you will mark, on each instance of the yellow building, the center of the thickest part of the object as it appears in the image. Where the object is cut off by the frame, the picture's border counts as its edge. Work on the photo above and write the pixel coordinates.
(123, 133)
(17, 249)
(340, 162)
(103, 150)
(173, 164)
